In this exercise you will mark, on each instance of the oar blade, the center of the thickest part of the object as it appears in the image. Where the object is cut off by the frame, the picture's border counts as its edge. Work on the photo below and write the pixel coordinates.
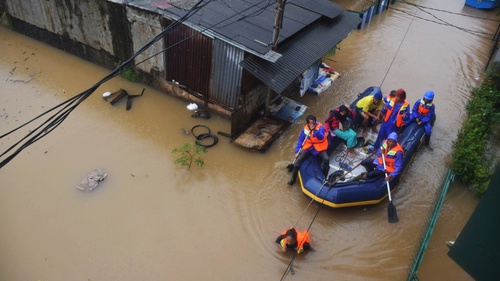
(290, 167)
(392, 213)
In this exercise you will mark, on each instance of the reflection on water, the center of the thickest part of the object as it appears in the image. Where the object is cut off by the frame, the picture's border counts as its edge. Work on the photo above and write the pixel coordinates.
(151, 220)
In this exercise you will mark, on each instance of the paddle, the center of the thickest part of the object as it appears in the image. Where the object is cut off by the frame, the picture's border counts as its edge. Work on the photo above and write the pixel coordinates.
(391, 209)
(290, 166)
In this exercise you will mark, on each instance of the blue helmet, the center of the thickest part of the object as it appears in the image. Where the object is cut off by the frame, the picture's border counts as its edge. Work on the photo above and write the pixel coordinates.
(378, 95)
(429, 95)
(393, 136)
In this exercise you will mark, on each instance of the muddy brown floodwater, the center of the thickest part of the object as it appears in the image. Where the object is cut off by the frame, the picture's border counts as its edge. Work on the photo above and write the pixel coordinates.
(152, 220)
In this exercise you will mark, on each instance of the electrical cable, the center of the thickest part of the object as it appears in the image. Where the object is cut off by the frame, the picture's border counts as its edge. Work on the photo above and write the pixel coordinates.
(397, 51)
(289, 268)
(123, 67)
(70, 104)
(203, 30)
(439, 20)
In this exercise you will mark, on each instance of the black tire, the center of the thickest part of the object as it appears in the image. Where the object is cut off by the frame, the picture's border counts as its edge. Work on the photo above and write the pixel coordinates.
(205, 136)
(203, 126)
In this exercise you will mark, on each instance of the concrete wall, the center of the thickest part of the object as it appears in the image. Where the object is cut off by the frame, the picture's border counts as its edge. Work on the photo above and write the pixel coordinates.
(110, 26)
(82, 21)
(94, 23)
(103, 32)
(144, 26)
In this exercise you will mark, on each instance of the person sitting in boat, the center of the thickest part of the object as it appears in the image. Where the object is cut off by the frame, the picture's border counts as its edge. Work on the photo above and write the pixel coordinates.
(336, 126)
(293, 240)
(312, 140)
(424, 113)
(396, 113)
(393, 153)
(386, 100)
(368, 110)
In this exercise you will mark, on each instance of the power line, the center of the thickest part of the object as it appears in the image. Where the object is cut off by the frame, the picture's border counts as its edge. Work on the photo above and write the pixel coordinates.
(63, 113)
(397, 51)
(441, 21)
(445, 11)
(69, 105)
(210, 27)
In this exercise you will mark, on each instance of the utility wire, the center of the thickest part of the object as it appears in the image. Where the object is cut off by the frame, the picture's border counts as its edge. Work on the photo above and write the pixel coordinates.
(69, 105)
(290, 264)
(123, 67)
(395, 55)
(448, 12)
(439, 20)
(207, 28)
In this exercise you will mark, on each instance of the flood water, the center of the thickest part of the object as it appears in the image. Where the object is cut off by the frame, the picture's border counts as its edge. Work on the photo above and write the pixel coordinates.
(153, 220)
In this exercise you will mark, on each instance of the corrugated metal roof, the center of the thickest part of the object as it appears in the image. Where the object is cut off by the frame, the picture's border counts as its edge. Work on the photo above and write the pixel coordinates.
(323, 8)
(227, 73)
(249, 23)
(302, 51)
(310, 29)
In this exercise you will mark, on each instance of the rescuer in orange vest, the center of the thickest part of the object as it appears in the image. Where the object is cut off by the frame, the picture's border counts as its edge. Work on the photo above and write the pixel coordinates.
(293, 240)
(424, 114)
(393, 153)
(312, 140)
(397, 112)
(386, 101)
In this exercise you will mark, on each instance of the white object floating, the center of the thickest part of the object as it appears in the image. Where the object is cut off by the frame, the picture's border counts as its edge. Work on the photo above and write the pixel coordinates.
(92, 180)
(192, 106)
(106, 94)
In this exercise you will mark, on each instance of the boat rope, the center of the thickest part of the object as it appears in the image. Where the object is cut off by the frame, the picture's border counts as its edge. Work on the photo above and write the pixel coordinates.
(325, 182)
(397, 51)
(289, 268)
(310, 202)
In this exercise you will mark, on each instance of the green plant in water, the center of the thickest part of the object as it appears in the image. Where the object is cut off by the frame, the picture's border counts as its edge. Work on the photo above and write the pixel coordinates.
(189, 153)
(127, 73)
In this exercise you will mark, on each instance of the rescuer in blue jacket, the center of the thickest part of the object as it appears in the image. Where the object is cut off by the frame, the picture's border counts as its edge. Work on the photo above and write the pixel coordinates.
(393, 154)
(396, 113)
(424, 113)
(312, 140)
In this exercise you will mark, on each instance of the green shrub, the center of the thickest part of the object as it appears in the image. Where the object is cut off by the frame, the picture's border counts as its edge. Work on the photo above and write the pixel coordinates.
(470, 161)
(189, 154)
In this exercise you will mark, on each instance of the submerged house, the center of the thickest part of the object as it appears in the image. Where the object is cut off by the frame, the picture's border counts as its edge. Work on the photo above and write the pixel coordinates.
(229, 55)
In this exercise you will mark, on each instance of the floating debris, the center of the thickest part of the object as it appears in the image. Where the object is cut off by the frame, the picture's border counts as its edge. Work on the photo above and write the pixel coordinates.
(92, 180)
(192, 106)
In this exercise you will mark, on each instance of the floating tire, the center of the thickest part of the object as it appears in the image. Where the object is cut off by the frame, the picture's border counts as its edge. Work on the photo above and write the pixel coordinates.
(200, 126)
(201, 137)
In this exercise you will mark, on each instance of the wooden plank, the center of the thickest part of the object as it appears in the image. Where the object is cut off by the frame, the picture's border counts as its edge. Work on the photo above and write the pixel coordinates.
(260, 135)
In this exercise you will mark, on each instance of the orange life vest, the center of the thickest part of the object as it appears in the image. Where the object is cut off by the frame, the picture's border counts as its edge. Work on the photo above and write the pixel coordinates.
(390, 107)
(319, 145)
(302, 237)
(390, 156)
(424, 108)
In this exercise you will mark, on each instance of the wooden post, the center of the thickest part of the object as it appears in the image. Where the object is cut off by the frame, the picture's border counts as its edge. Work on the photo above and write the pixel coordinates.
(277, 26)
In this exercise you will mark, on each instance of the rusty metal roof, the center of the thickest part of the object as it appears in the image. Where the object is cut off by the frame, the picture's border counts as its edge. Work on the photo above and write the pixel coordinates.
(302, 51)
(310, 29)
(247, 23)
